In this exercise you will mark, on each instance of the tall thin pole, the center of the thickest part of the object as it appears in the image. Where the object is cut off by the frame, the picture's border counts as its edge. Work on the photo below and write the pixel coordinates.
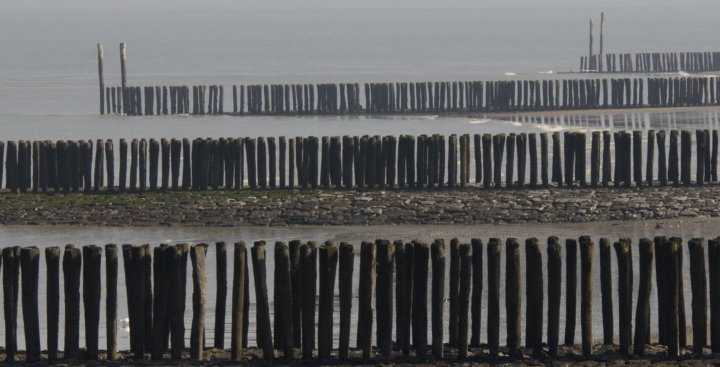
(600, 58)
(100, 76)
(123, 56)
(590, 54)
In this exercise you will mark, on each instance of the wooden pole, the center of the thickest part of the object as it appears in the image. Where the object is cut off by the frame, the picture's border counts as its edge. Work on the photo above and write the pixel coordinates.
(383, 297)
(477, 286)
(282, 300)
(464, 299)
(534, 296)
(366, 289)
(347, 262)
(308, 267)
(71, 271)
(197, 333)
(328, 257)
(238, 295)
(606, 290)
(438, 296)
(453, 291)
(111, 273)
(714, 285)
(421, 254)
(699, 294)
(52, 261)
(554, 268)
(123, 76)
(30, 267)
(586, 261)
(624, 294)
(220, 294)
(512, 295)
(92, 257)
(493, 317)
(100, 77)
(11, 262)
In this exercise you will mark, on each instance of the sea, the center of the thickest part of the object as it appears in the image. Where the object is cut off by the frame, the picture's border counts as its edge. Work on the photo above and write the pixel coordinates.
(49, 76)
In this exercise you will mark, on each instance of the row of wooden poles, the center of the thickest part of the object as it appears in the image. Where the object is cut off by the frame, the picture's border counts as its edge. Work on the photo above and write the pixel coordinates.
(421, 97)
(653, 62)
(394, 282)
(365, 162)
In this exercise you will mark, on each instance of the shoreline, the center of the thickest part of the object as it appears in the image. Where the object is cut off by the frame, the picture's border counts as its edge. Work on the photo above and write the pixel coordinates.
(346, 207)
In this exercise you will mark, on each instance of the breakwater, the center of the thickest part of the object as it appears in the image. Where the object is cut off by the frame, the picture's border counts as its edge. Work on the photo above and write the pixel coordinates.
(651, 62)
(382, 98)
(440, 97)
(570, 159)
(402, 287)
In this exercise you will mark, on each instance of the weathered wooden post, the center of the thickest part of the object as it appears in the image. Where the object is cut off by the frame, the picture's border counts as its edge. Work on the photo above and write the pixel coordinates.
(682, 337)
(534, 296)
(493, 318)
(624, 294)
(498, 150)
(197, 333)
(11, 260)
(383, 296)
(134, 274)
(662, 159)
(510, 161)
(238, 295)
(328, 259)
(487, 141)
(101, 80)
(111, 272)
(464, 299)
(308, 267)
(477, 150)
(92, 257)
(569, 155)
(586, 261)
(570, 290)
(123, 77)
(699, 294)
(595, 159)
(554, 268)
(295, 286)
(282, 300)
(557, 175)
(366, 287)
(220, 294)
(438, 296)
(606, 290)
(685, 156)
(477, 286)
(714, 285)
(642, 314)
(52, 261)
(30, 267)
(177, 292)
(673, 342)
(71, 270)
(512, 295)
(453, 291)
(347, 257)
(421, 254)
(264, 331)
